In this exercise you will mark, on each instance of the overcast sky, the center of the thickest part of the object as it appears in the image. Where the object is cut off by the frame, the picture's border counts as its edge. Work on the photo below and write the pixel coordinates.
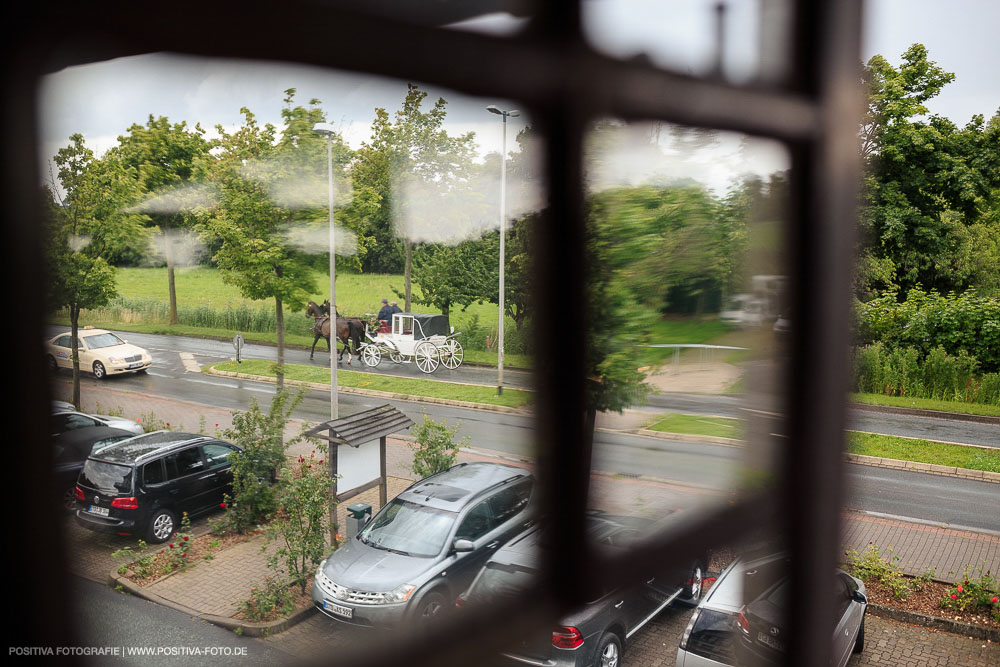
(102, 100)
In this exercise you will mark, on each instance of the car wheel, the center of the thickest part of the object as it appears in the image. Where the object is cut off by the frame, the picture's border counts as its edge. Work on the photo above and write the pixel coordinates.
(99, 371)
(431, 609)
(859, 643)
(69, 499)
(609, 653)
(693, 585)
(161, 526)
(53, 364)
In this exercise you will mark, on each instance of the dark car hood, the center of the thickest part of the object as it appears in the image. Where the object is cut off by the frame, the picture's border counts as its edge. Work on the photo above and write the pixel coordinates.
(362, 567)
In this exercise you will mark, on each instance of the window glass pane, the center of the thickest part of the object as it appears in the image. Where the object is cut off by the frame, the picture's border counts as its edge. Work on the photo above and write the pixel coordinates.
(186, 462)
(217, 455)
(683, 35)
(152, 473)
(476, 523)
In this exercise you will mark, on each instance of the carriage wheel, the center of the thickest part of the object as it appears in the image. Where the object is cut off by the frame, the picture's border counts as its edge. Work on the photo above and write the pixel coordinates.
(394, 356)
(426, 356)
(371, 355)
(452, 354)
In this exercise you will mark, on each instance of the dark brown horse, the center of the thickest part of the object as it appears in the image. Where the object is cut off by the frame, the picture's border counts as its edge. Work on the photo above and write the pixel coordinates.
(349, 330)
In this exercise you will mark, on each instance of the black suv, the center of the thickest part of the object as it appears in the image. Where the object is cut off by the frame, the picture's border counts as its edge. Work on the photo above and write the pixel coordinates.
(143, 485)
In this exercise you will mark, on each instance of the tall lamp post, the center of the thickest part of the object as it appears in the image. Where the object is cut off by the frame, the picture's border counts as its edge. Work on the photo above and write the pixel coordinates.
(503, 113)
(328, 130)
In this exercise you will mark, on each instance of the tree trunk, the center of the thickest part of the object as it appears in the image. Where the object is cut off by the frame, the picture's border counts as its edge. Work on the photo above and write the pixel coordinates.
(168, 253)
(279, 318)
(74, 327)
(406, 274)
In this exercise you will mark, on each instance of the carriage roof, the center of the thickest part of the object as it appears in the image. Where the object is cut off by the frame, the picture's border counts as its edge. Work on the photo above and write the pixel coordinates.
(427, 325)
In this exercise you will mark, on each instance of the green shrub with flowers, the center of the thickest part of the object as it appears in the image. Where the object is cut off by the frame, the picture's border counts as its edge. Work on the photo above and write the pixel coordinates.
(172, 556)
(974, 594)
(299, 524)
(873, 566)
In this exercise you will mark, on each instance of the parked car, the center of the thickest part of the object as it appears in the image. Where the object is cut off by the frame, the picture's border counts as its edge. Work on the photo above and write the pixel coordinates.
(102, 352)
(598, 633)
(425, 546)
(70, 451)
(69, 420)
(763, 621)
(724, 631)
(142, 486)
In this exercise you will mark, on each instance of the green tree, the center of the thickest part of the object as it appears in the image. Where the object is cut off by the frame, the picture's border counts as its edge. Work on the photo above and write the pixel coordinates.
(411, 165)
(930, 189)
(88, 223)
(163, 158)
(260, 205)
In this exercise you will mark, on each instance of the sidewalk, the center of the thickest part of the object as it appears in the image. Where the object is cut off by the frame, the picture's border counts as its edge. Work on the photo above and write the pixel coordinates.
(922, 547)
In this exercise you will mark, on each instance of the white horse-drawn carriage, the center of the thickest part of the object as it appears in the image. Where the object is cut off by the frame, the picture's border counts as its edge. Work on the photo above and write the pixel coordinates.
(427, 340)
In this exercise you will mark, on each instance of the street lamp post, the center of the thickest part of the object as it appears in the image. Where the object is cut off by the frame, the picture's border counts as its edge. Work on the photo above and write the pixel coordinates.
(503, 113)
(327, 130)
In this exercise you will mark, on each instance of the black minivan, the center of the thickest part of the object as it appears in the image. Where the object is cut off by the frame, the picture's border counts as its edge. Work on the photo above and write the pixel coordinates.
(143, 485)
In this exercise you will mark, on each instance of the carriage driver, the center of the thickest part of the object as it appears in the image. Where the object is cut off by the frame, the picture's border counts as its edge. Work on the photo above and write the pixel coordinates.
(385, 313)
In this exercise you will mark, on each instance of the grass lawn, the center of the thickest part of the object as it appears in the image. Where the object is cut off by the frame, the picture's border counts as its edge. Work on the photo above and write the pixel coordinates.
(922, 451)
(414, 387)
(928, 404)
(357, 293)
(720, 427)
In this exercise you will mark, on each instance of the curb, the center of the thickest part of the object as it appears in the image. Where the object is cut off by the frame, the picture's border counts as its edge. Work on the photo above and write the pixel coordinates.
(932, 468)
(936, 622)
(374, 393)
(249, 629)
(918, 412)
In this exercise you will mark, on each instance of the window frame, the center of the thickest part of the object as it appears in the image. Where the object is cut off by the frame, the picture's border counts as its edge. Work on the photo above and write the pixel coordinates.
(814, 113)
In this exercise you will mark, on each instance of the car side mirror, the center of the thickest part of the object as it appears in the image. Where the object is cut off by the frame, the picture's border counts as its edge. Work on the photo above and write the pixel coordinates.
(462, 546)
(858, 596)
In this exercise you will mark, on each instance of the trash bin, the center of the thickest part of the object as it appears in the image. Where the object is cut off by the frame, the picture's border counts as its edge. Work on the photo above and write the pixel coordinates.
(358, 515)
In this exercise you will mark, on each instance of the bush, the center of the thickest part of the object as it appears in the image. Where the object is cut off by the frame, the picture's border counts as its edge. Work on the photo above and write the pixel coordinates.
(927, 320)
(974, 594)
(261, 437)
(300, 523)
(942, 376)
(435, 449)
(872, 566)
(272, 600)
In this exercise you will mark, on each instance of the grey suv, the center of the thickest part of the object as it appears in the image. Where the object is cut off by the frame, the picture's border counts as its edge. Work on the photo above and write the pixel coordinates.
(425, 546)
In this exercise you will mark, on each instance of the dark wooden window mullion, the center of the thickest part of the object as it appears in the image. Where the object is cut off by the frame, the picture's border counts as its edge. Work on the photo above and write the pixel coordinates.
(826, 176)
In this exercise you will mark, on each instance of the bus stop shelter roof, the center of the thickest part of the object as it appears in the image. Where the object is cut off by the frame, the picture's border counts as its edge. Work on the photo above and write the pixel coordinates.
(362, 427)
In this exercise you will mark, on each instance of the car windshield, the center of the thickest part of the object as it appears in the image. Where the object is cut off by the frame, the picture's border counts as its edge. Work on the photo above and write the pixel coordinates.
(409, 528)
(98, 341)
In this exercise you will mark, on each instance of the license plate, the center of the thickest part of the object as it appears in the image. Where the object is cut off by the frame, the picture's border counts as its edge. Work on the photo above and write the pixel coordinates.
(100, 511)
(346, 612)
(768, 640)
(135, 365)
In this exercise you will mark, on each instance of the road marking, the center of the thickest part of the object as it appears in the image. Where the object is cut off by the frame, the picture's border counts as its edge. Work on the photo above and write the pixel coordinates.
(159, 375)
(262, 390)
(190, 365)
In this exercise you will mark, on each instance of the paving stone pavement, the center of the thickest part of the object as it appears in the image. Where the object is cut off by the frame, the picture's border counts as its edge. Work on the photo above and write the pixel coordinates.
(921, 547)
(888, 643)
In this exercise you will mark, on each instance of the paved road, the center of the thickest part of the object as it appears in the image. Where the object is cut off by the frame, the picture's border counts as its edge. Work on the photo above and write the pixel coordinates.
(166, 347)
(106, 618)
(700, 473)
